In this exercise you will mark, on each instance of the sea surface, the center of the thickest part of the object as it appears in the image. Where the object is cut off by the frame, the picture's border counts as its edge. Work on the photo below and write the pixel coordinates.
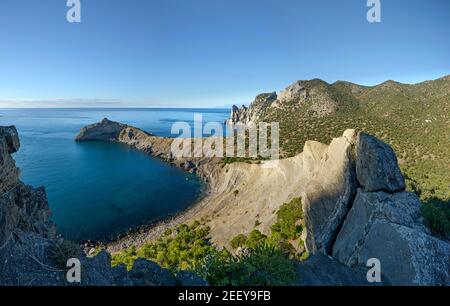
(98, 190)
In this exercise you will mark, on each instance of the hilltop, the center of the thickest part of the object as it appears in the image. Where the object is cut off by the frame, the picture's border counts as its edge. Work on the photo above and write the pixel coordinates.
(413, 119)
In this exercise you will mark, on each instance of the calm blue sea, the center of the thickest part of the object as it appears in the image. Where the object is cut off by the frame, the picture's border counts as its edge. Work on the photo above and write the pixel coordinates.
(98, 190)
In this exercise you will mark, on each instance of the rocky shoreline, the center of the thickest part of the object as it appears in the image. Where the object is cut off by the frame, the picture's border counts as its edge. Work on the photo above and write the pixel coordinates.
(159, 147)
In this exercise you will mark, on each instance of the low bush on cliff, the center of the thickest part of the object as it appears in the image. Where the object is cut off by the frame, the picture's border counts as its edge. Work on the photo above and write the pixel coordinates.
(437, 216)
(289, 224)
(262, 266)
(238, 241)
(285, 232)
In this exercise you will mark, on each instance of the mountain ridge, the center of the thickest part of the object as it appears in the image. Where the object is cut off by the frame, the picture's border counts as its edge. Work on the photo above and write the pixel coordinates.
(413, 118)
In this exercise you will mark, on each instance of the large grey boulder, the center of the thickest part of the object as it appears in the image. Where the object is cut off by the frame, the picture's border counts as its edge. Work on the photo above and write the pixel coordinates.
(376, 165)
(389, 227)
(328, 196)
(322, 270)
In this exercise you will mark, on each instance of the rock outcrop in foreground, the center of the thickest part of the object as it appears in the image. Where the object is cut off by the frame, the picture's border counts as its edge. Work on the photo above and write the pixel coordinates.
(356, 209)
(28, 239)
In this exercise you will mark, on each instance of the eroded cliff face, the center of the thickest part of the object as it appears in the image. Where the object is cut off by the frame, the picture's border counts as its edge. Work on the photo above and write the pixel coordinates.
(29, 244)
(25, 229)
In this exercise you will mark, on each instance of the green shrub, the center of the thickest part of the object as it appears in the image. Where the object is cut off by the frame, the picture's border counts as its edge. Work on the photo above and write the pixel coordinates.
(263, 266)
(182, 252)
(437, 216)
(284, 232)
(255, 239)
(288, 217)
(238, 241)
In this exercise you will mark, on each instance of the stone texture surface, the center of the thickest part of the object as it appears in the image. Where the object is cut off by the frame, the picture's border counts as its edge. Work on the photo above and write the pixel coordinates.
(376, 165)
(9, 143)
(389, 227)
(246, 115)
(383, 221)
(322, 270)
(328, 196)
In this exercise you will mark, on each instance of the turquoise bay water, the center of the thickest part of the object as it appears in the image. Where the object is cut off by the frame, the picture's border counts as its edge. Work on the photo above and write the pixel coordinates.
(97, 190)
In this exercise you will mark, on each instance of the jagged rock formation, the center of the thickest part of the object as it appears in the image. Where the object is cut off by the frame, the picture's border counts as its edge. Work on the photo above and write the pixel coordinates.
(322, 270)
(28, 238)
(383, 221)
(376, 165)
(389, 227)
(312, 95)
(247, 115)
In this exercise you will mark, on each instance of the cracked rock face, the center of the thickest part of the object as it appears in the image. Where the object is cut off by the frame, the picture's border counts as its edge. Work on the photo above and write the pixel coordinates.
(327, 198)
(388, 227)
(382, 222)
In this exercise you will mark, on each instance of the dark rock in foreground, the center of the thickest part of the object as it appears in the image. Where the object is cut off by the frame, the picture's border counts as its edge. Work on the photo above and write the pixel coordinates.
(389, 227)
(321, 270)
(376, 165)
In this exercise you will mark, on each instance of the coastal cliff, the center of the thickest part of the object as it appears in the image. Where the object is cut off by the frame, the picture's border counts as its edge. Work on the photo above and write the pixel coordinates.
(354, 203)
(32, 254)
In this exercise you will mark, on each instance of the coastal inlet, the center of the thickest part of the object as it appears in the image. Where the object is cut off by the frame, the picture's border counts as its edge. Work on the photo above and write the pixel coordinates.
(98, 190)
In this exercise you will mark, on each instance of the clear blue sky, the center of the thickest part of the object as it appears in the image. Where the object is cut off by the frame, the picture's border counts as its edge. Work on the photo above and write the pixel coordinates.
(210, 52)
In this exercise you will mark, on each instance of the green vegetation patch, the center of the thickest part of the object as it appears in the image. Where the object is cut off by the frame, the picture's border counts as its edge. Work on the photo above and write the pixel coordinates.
(187, 248)
(285, 233)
